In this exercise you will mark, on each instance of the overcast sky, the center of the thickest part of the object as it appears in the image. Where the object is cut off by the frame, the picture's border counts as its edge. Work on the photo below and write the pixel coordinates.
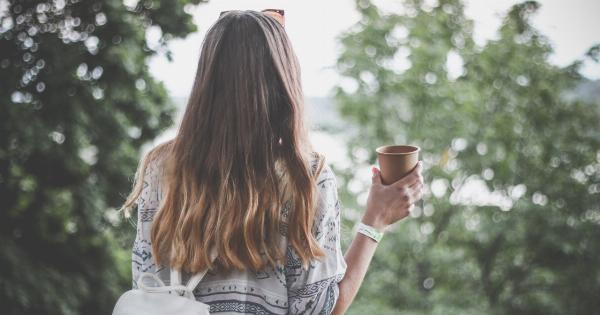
(572, 26)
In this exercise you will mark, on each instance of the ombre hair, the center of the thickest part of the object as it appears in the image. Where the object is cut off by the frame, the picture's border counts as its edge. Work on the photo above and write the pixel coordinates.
(241, 151)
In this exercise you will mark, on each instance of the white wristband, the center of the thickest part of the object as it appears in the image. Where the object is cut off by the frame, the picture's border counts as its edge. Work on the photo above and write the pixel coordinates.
(369, 231)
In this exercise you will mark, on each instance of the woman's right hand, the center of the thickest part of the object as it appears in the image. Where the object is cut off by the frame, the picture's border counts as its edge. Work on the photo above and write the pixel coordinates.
(388, 204)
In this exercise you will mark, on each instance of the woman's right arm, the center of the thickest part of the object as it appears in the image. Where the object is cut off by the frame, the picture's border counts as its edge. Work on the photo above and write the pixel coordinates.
(386, 204)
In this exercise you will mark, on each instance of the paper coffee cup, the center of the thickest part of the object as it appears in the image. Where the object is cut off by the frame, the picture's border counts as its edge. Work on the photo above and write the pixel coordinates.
(395, 161)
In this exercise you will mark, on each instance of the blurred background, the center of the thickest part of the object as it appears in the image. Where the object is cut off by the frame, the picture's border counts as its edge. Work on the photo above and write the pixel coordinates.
(503, 97)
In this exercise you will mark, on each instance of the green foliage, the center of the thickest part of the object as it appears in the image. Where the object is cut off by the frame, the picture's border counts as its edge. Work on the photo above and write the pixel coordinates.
(77, 102)
(511, 223)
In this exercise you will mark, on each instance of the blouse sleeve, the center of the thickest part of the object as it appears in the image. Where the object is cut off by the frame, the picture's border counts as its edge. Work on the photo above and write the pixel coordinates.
(316, 290)
(147, 205)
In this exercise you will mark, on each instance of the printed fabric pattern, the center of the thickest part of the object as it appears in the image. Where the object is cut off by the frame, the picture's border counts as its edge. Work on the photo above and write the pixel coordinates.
(286, 289)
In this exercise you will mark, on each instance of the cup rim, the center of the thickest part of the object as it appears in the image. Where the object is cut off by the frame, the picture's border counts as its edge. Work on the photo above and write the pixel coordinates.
(414, 147)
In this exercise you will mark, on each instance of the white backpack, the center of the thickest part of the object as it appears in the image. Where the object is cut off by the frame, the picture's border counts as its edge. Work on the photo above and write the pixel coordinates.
(175, 298)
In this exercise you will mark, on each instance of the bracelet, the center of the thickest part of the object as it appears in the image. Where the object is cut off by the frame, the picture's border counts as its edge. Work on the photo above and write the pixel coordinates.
(369, 231)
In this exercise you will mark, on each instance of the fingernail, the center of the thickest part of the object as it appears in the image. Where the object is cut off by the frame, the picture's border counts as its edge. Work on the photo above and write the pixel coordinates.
(373, 170)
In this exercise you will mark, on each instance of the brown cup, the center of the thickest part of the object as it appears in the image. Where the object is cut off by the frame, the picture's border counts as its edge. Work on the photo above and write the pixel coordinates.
(395, 161)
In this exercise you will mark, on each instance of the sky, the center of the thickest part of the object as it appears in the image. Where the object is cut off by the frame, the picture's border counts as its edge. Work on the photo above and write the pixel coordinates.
(572, 27)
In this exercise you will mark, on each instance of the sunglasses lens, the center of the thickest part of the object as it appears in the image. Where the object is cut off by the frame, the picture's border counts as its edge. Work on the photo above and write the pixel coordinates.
(280, 17)
(280, 12)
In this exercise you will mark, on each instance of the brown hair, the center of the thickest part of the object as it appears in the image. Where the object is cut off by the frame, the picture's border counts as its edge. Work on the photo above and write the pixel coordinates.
(241, 150)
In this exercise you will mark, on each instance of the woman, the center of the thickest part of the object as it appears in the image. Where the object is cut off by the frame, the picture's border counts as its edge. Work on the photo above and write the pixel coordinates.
(241, 177)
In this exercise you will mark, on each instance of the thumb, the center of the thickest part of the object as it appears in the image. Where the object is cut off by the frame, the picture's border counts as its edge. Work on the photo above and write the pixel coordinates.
(376, 178)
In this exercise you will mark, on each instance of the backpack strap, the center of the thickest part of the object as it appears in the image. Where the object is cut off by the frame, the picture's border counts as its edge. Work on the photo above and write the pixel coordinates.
(195, 279)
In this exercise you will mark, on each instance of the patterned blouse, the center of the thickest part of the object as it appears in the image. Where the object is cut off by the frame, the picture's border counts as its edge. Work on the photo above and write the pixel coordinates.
(286, 289)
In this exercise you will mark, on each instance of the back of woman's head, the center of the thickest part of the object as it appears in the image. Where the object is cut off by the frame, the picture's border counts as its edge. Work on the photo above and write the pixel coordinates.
(241, 151)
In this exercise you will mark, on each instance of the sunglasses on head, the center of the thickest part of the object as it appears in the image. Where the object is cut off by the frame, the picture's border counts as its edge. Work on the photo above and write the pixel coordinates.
(277, 14)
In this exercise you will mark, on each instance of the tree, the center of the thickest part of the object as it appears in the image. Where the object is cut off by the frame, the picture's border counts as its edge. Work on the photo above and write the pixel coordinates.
(77, 102)
(511, 221)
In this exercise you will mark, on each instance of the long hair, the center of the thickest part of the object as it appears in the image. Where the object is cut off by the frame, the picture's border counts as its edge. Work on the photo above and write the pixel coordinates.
(241, 151)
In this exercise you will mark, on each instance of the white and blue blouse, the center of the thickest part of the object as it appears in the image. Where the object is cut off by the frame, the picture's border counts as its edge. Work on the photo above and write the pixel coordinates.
(286, 289)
